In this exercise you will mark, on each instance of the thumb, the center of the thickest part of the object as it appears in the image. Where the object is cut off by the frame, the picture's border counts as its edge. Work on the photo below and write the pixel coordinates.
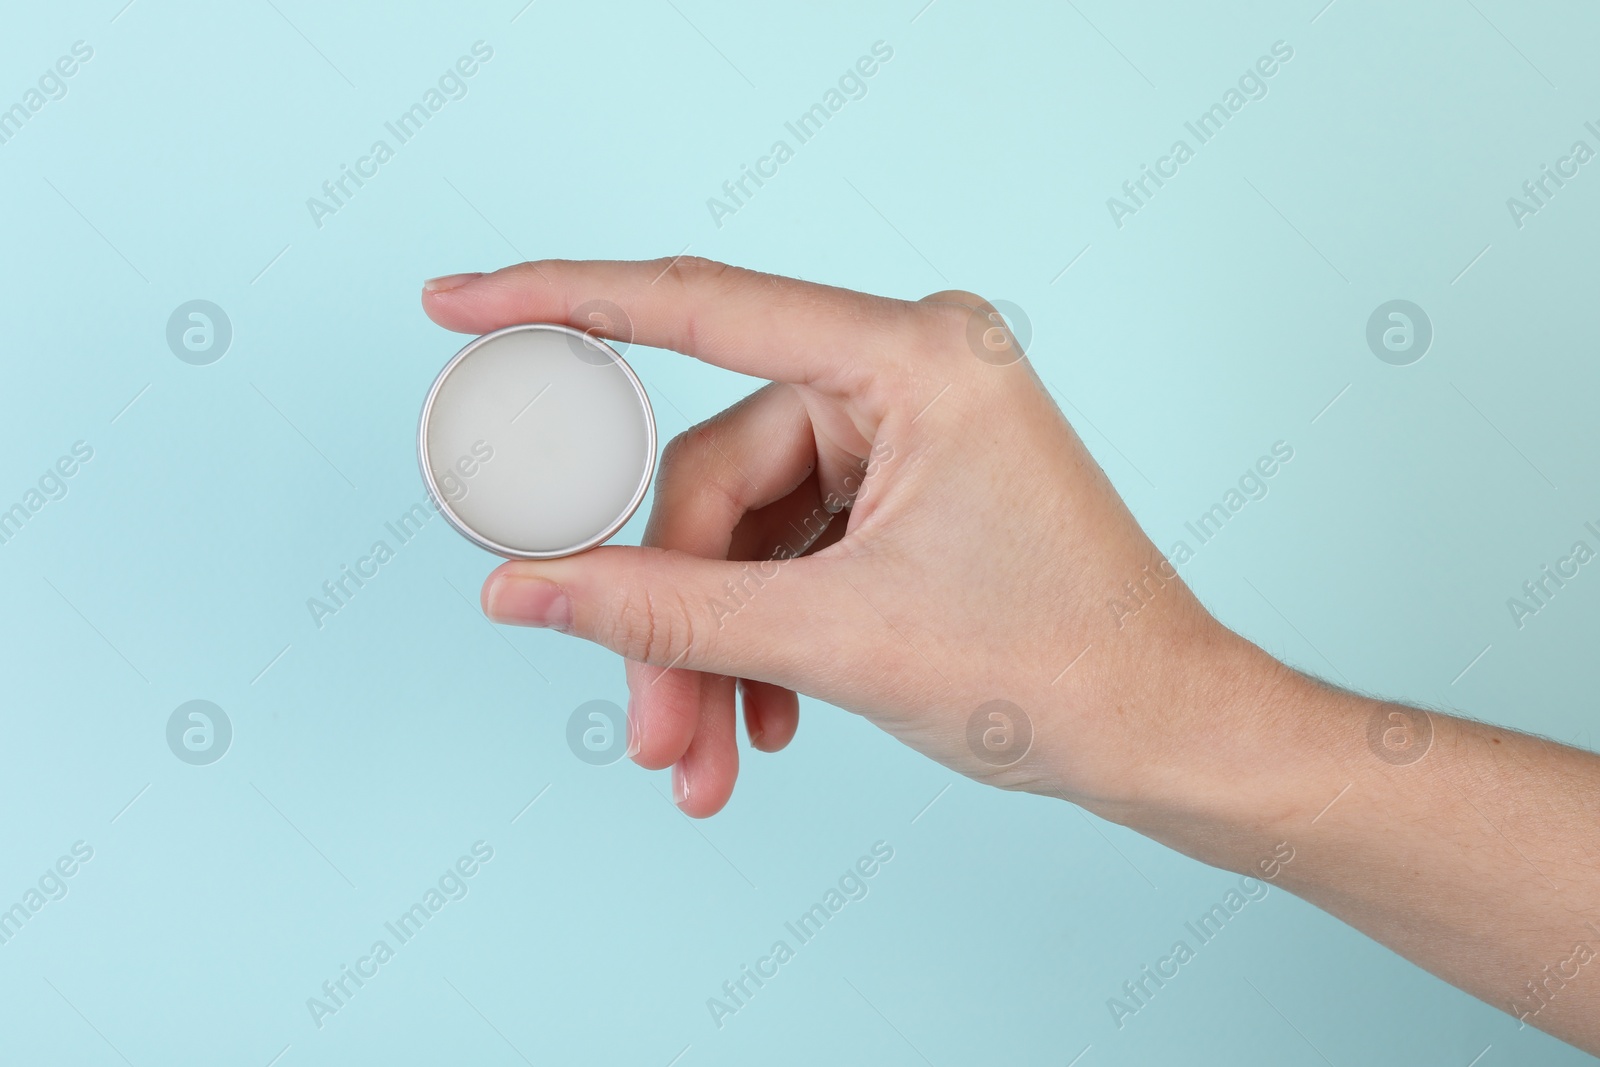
(666, 608)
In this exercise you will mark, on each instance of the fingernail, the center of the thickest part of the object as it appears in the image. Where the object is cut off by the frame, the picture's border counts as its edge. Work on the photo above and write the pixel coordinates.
(633, 729)
(680, 785)
(525, 601)
(449, 281)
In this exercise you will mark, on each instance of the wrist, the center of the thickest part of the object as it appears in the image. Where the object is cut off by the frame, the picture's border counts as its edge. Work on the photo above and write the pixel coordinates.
(1253, 751)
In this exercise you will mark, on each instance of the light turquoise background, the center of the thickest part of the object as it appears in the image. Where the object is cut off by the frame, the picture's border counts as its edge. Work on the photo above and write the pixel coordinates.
(368, 755)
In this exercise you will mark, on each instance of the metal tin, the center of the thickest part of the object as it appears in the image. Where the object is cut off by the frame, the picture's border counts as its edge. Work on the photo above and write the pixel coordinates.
(582, 345)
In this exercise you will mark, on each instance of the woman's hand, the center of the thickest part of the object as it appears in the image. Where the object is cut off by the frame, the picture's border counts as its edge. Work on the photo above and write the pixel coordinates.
(986, 598)
(934, 547)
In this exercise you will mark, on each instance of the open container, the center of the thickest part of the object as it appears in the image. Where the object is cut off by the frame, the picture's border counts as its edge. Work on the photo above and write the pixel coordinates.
(537, 441)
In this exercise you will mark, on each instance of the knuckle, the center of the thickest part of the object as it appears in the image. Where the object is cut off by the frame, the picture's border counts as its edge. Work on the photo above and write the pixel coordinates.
(955, 296)
(694, 270)
(686, 459)
(948, 318)
(651, 626)
(523, 271)
(701, 283)
(678, 451)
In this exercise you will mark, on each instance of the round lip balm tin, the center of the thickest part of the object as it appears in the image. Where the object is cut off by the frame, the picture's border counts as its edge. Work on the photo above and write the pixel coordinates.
(537, 441)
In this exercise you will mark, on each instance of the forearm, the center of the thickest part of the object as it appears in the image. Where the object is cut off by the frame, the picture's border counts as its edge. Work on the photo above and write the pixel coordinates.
(1474, 854)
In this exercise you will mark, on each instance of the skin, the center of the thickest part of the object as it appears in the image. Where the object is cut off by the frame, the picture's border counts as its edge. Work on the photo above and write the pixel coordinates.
(975, 562)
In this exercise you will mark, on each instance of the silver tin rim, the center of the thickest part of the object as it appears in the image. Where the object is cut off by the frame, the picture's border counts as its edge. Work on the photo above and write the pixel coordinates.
(507, 551)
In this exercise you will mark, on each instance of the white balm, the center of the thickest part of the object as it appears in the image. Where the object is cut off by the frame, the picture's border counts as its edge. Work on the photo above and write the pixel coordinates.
(537, 441)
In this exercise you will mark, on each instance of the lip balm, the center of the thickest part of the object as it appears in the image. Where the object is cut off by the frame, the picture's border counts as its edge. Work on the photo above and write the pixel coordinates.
(537, 441)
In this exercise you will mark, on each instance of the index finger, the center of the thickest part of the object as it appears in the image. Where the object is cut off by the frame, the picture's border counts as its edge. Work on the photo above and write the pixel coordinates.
(764, 325)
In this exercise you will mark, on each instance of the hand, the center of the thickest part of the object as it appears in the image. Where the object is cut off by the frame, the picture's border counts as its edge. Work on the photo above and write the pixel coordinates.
(956, 544)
